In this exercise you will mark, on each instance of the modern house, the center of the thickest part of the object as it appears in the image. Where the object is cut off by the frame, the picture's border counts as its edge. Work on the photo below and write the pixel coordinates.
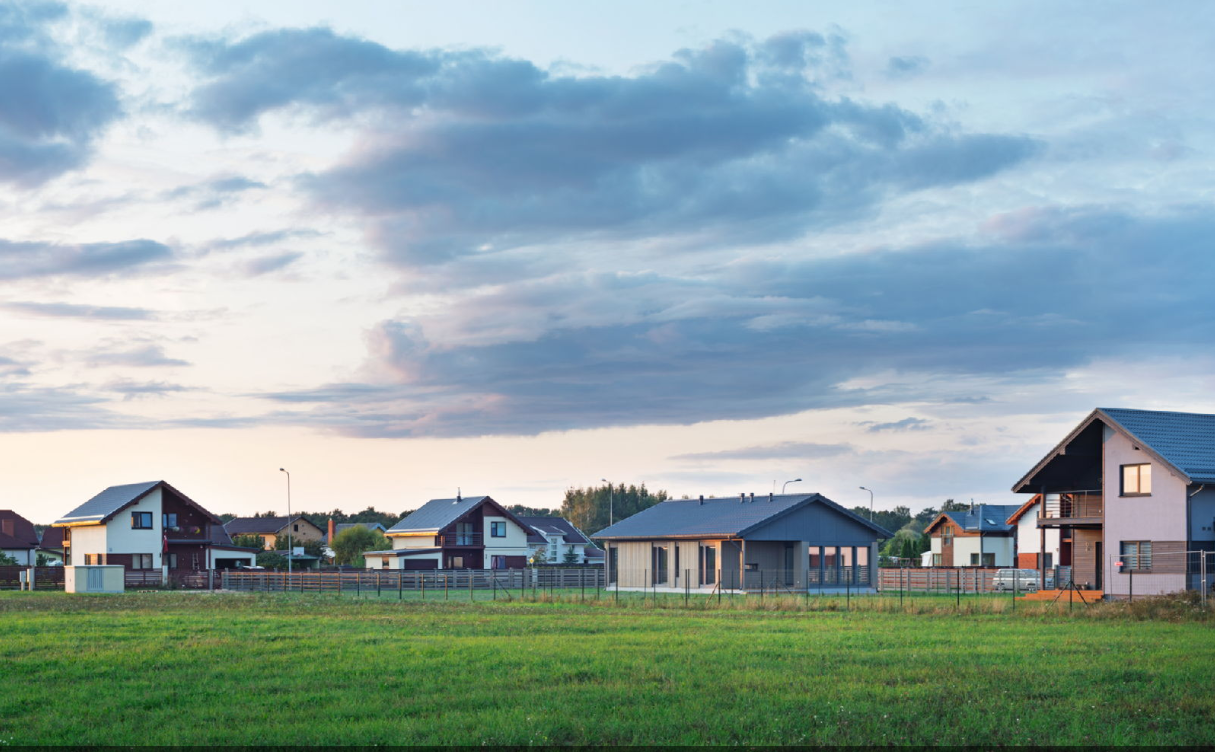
(556, 541)
(51, 544)
(148, 526)
(981, 536)
(472, 532)
(1037, 548)
(18, 539)
(1131, 494)
(791, 541)
(270, 528)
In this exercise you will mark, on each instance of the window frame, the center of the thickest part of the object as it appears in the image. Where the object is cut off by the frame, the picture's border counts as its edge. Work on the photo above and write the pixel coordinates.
(168, 520)
(1139, 476)
(169, 560)
(497, 528)
(139, 517)
(1140, 546)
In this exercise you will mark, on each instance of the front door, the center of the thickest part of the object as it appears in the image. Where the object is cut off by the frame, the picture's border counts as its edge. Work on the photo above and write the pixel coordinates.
(1097, 567)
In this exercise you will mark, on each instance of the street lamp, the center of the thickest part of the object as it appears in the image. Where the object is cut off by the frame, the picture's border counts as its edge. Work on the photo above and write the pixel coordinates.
(870, 503)
(290, 550)
(611, 502)
(786, 485)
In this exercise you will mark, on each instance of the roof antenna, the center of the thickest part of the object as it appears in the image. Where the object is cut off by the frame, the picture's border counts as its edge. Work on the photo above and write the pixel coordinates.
(457, 494)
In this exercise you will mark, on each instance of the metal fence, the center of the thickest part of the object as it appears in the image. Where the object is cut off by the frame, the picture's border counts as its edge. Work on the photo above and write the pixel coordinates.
(45, 578)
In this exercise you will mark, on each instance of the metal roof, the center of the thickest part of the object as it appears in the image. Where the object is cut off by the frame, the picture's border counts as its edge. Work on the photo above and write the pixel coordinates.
(556, 526)
(985, 518)
(18, 533)
(1185, 440)
(719, 516)
(436, 514)
(107, 502)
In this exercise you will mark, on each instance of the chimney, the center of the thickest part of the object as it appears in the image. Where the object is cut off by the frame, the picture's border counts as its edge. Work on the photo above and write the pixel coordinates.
(742, 498)
(769, 498)
(752, 497)
(6, 526)
(457, 494)
(702, 499)
(330, 531)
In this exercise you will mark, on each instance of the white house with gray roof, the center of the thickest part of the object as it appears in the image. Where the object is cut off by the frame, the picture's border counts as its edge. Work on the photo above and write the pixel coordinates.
(780, 541)
(473, 532)
(556, 541)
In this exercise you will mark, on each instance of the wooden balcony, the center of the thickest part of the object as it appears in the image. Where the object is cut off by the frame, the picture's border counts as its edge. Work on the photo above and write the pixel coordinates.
(1072, 509)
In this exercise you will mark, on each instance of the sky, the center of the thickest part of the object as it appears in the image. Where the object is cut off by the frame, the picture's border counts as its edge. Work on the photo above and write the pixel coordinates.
(405, 248)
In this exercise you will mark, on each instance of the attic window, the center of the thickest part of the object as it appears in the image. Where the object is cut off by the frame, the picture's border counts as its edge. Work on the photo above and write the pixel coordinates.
(1136, 480)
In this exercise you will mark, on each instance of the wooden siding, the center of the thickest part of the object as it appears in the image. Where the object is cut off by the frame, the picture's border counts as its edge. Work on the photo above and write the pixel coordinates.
(1084, 557)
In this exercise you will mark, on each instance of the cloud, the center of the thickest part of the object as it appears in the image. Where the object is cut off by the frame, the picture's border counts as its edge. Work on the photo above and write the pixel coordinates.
(800, 450)
(266, 264)
(258, 239)
(25, 408)
(960, 320)
(476, 153)
(145, 356)
(36, 259)
(215, 192)
(906, 424)
(131, 390)
(905, 67)
(50, 112)
(76, 310)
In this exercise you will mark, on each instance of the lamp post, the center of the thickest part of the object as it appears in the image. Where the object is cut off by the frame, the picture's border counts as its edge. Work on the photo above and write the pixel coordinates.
(870, 503)
(611, 502)
(786, 485)
(289, 541)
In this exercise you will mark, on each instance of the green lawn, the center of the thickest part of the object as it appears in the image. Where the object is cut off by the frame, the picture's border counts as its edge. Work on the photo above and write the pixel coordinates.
(201, 669)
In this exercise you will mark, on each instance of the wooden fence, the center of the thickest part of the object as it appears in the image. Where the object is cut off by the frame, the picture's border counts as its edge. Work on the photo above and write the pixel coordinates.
(49, 578)
(432, 581)
(937, 579)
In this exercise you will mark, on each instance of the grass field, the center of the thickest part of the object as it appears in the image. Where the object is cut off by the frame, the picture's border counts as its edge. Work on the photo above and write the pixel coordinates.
(203, 669)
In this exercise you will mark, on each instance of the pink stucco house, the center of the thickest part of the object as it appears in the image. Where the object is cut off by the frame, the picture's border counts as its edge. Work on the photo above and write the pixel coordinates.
(1126, 503)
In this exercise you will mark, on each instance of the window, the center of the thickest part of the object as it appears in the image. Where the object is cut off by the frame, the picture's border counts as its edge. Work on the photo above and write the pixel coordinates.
(383, 562)
(169, 520)
(141, 520)
(455, 562)
(658, 570)
(1136, 556)
(1136, 480)
(936, 560)
(141, 561)
(613, 563)
(497, 562)
(947, 536)
(94, 559)
(497, 529)
(464, 534)
(170, 560)
(295, 528)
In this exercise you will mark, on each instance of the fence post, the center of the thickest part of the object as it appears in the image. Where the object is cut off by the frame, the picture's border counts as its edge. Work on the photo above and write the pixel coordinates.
(423, 585)
(400, 584)
(470, 586)
(900, 588)
(1130, 584)
(582, 584)
(848, 594)
(958, 590)
(444, 587)
(687, 586)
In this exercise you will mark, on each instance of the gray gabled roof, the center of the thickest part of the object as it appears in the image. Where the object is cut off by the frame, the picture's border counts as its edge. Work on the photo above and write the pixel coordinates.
(436, 514)
(1185, 440)
(107, 503)
(556, 526)
(261, 525)
(985, 518)
(719, 517)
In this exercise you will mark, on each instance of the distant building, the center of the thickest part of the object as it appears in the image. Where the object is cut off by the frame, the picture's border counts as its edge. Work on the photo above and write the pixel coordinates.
(269, 529)
(556, 538)
(18, 539)
(473, 532)
(790, 541)
(980, 536)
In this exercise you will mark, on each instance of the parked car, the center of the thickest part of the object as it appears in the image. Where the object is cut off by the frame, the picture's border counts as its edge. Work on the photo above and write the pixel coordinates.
(1023, 580)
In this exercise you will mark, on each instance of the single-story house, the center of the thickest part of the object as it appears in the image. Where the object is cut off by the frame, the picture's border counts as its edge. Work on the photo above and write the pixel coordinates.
(793, 541)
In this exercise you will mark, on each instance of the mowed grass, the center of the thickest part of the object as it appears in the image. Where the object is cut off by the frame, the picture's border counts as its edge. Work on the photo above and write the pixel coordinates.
(203, 669)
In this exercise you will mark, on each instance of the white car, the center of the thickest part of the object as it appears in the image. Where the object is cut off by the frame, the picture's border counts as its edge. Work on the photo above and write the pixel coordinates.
(1022, 580)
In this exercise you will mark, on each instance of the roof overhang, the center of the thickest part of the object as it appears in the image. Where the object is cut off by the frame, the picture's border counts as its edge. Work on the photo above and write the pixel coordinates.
(1104, 417)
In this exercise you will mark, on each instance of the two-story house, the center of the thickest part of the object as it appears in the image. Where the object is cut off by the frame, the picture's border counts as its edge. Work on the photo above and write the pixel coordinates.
(18, 539)
(980, 536)
(148, 526)
(270, 529)
(556, 541)
(473, 532)
(1132, 496)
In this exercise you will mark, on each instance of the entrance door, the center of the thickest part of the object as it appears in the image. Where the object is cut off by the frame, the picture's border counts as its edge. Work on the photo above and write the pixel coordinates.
(708, 565)
(1097, 567)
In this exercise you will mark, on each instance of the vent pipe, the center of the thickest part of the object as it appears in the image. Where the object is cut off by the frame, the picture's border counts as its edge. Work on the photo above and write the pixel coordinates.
(752, 497)
(770, 498)
(458, 499)
(742, 498)
(702, 499)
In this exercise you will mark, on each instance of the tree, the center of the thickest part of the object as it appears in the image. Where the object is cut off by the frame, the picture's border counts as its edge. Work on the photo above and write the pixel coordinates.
(6, 560)
(588, 508)
(525, 511)
(249, 541)
(894, 519)
(349, 545)
(43, 561)
(571, 557)
(539, 556)
(311, 547)
(271, 560)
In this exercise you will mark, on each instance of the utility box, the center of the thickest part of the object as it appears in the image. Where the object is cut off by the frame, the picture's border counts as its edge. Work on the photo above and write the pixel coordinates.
(94, 578)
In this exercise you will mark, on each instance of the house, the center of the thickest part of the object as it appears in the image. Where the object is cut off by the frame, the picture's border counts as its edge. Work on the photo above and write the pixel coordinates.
(148, 526)
(270, 528)
(791, 540)
(472, 532)
(1037, 548)
(1131, 494)
(981, 536)
(51, 545)
(340, 527)
(555, 540)
(18, 539)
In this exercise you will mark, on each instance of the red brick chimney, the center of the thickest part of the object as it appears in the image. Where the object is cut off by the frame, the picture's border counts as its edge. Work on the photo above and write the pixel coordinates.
(331, 531)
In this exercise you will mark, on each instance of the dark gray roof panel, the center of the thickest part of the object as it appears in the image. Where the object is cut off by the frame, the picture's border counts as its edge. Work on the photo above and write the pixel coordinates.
(985, 518)
(436, 514)
(1187, 440)
(107, 502)
(255, 525)
(556, 525)
(717, 516)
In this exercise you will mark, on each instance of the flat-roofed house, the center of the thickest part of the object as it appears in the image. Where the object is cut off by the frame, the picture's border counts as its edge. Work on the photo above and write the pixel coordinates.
(980, 536)
(778, 540)
(473, 532)
(148, 526)
(1131, 494)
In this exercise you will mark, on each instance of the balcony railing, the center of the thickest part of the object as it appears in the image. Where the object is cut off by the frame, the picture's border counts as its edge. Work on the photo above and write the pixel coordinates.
(460, 539)
(1081, 504)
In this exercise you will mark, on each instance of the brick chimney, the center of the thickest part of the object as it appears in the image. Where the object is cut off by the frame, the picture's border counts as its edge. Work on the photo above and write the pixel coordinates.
(331, 531)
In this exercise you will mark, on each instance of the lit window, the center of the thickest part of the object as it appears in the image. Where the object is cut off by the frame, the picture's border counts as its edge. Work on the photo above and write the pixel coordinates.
(1136, 480)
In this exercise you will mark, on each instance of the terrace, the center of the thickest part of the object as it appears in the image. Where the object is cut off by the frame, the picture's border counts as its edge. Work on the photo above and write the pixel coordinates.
(1078, 508)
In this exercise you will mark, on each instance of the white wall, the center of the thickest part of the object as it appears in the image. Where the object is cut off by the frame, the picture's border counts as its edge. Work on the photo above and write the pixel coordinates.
(87, 539)
(121, 539)
(964, 546)
(25, 557)
(1157, 517)
(413, 541)
(516, 537)
(1029, 536)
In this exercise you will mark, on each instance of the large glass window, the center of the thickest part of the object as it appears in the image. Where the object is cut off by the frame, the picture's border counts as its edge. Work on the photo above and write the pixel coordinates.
(141, 520)
(708, 565)
(613, 563)
(1136, 480)
(169, 520)
(659, 565)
